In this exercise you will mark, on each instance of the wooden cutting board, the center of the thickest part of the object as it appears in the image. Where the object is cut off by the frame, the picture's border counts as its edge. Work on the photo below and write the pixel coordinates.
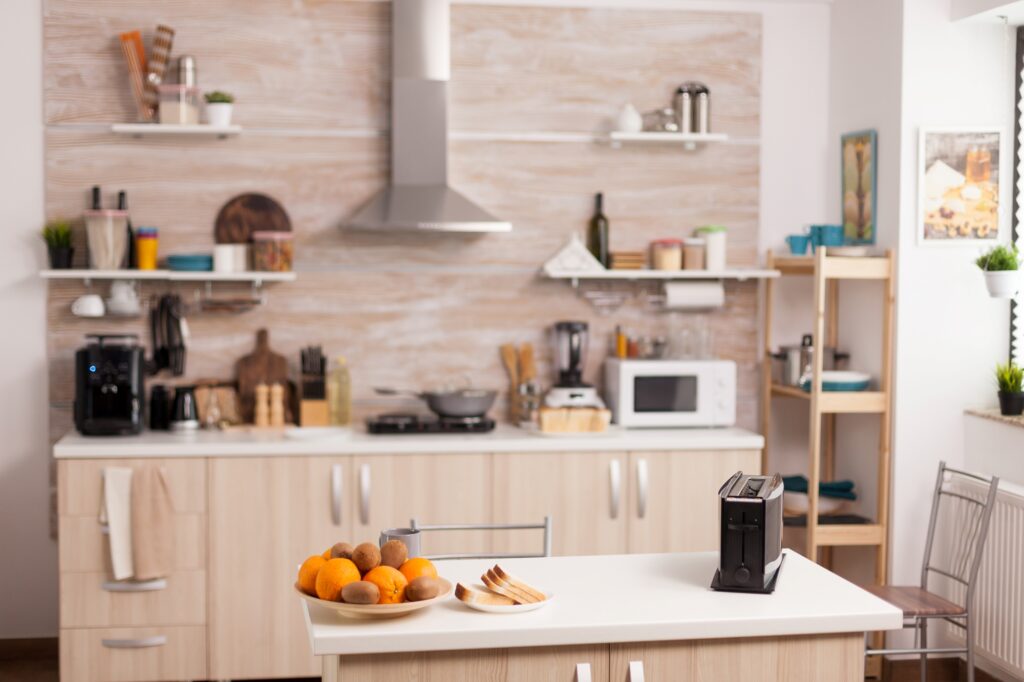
(248, 213)
(265, 366)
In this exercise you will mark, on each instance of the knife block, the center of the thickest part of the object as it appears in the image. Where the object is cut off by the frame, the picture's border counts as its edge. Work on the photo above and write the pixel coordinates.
(313, 413)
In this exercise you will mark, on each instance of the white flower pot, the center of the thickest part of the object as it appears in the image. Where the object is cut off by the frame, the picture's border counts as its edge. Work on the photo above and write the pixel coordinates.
(1002, 283)
(218, 114)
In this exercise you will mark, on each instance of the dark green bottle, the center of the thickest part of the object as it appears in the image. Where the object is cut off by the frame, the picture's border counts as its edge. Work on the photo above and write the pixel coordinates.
(597, 234)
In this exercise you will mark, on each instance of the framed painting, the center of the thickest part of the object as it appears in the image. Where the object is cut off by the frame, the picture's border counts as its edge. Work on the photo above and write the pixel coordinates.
(859, 156)
(958, 186)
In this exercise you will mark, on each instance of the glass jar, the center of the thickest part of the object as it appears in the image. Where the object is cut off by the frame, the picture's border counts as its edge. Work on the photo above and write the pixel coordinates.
(667, 254)
(693, 253)
(179, 104)
(272, 251)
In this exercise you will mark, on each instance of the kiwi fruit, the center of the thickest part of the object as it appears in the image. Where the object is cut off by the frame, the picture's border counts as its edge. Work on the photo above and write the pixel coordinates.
(394, 553)
(422, 588)
(360, 592)
(341, 550)
(366, 557)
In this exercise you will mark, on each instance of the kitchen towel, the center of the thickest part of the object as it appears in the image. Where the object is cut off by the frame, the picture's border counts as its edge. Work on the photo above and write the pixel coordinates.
(842, 490)
(115, 513)
(694, 295)
(152, 516)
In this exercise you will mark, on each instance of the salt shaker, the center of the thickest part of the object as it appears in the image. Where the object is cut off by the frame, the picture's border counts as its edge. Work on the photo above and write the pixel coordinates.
(262, 405)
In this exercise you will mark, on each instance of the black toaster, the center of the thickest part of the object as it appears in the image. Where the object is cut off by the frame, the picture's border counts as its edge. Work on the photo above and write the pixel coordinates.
(751, 534)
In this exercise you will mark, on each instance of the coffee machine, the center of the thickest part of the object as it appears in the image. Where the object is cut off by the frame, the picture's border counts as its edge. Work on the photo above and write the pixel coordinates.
(570, 340)
(109, 386)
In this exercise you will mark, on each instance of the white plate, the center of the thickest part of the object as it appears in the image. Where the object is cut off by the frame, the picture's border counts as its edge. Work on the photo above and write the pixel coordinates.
(514, 608)
(317, 432)
(377, 611)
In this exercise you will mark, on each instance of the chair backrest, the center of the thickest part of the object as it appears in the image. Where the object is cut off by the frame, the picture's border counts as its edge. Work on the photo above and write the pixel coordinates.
(962, 517)
(544, 525)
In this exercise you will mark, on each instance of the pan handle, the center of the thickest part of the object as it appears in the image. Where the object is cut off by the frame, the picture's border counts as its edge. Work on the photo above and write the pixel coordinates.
(396, 391)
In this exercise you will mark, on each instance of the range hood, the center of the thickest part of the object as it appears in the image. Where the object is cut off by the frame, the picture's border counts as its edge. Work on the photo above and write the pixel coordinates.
(418, 196)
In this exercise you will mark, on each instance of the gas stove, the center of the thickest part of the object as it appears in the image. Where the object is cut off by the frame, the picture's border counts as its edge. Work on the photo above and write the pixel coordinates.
(413, 423)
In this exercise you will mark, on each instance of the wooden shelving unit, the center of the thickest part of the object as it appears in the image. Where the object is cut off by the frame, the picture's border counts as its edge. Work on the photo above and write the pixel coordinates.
(826, 272)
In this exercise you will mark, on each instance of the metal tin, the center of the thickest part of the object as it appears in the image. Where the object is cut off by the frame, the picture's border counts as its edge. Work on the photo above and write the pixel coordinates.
(187, 70)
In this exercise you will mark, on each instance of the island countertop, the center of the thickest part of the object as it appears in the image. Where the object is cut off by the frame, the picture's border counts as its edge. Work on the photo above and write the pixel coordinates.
(615, 599)
(504, 438)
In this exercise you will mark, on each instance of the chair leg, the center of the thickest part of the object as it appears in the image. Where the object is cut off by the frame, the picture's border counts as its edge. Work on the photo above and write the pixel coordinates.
(969, 636)
(922, 625)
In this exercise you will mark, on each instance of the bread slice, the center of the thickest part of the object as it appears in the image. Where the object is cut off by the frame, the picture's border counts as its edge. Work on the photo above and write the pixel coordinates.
(518, 585)
(492, 583)
(471, 595)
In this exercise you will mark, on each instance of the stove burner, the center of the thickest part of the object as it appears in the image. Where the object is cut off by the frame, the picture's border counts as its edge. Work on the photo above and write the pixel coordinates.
(398, 422)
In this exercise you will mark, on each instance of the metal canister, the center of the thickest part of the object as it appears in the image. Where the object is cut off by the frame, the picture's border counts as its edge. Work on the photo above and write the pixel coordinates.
(682, 103)
(701, 108)
(187, 71)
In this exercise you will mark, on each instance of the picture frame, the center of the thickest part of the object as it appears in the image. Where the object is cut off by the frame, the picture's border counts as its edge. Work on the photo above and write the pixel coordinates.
(858, 176)
(959, 182)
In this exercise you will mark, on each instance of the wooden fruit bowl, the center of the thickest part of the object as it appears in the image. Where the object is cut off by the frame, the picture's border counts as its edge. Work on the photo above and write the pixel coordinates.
(376, 611)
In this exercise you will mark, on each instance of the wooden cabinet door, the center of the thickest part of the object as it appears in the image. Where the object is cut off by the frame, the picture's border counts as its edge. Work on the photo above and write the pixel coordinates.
(390, 490)
(674, 497)
(584, 493)
(267, 514)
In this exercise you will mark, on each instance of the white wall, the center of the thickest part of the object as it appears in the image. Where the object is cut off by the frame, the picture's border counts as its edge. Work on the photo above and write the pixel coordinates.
(28, 571)
(995, 448)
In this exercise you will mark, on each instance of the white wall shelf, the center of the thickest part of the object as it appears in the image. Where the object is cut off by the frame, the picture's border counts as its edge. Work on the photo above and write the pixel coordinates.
(739, 274)
(174, 130)
(87, 276)
(689, 141)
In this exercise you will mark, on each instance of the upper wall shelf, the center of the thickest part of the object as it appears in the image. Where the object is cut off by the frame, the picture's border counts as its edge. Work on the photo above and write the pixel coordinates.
(170, 275)
(688, 140)
(194, 130)
(739, 274)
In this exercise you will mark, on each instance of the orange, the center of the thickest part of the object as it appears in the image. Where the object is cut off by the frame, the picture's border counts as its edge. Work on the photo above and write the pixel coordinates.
(327, 554)
(334, 575)
(418, 567)
(390, 582)
(308, 572)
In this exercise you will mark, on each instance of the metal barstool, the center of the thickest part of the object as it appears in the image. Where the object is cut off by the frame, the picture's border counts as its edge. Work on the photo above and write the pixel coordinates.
(544, 525)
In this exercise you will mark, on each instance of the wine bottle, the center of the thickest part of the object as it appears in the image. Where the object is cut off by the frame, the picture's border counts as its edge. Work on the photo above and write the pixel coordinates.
(597, 236)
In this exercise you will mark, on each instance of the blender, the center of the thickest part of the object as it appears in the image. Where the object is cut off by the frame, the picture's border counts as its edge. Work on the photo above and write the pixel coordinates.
(570, 340)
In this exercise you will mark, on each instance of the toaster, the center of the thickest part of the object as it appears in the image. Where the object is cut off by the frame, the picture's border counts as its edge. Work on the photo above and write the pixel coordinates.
(750, 553)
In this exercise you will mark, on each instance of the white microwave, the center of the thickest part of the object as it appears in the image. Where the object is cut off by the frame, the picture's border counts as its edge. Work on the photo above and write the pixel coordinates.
(670, 393)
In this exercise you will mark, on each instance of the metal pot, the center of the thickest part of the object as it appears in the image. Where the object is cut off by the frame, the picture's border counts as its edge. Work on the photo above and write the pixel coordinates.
(462, 402)
(795, 362)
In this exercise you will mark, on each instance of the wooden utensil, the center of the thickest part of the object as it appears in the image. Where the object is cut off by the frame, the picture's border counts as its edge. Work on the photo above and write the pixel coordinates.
(248, 213)
(261, 366)
(527, 368)
(511, 362)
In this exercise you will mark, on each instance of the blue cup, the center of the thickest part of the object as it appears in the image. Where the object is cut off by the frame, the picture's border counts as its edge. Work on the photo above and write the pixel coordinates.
(826, 235)
(798, 244)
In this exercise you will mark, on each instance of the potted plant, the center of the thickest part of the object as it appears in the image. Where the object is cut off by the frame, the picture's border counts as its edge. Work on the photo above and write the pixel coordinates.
(218, 108)
(1010, 379)
(57, 235)
(1000, 265)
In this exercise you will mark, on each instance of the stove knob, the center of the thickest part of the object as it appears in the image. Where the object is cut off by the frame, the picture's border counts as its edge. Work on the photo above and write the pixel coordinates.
(742, 575)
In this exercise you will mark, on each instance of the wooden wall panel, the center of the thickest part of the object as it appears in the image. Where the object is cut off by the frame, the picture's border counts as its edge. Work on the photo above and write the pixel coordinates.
(410, 310)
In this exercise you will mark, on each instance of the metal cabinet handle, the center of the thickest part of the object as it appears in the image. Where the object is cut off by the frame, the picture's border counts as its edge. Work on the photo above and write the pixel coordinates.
(143, 586)
(615, 478)
(140, 643)
(582, 672)
(364, 494)
(636, 671)
(337, 481)
(641, 488)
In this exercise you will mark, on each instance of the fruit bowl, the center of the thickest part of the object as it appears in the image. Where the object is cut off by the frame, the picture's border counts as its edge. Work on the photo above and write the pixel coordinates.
(376, 611)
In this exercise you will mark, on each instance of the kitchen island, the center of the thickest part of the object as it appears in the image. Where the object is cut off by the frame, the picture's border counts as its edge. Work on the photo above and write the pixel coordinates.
(618, 618)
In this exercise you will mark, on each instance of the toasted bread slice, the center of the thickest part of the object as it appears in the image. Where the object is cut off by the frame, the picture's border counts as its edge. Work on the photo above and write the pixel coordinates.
(518, 585)
(472, 595)
(517, 594)
(498, 587)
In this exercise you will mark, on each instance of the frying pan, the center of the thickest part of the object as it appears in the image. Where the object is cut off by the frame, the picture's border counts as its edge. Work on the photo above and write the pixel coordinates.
(461, 402)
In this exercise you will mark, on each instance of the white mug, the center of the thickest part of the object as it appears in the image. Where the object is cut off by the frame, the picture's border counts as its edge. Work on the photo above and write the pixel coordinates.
(124, 299)
(88, 305)
(230, 258)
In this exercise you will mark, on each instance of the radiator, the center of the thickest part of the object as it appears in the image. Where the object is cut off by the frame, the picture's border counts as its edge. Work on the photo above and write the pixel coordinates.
(998, 616)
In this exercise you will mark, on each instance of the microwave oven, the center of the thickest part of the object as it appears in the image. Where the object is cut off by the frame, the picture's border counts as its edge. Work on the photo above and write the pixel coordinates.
(670, 393)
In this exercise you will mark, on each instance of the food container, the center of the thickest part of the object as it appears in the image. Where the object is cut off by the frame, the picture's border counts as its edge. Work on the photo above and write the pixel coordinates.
(179, 104)
(272, 251)
(667, 254)
(106, 233)
(147, 242)
(693, 253)
(715, 246)
(230, 258)
(793, 364)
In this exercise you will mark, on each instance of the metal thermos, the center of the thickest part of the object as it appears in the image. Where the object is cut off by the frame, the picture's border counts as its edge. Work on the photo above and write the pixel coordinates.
(692, 104)
(702, 109)
(683, 106)
(187, 71)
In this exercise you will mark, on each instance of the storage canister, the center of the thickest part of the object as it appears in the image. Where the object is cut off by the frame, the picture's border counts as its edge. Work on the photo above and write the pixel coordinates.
(106, 233)
(272, 251)
(179, 104)
(667, 254)
(701, 108)
(714, 246)
(682, 103)
(693, 253)
(146, 247)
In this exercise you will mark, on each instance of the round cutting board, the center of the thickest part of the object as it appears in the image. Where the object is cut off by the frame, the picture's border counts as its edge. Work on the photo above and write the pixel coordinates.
(248, 213)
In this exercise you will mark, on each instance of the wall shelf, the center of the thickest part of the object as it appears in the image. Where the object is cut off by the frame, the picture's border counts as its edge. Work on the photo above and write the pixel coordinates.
(740, 274)
(689, 141)
(175, 130)
(253, 277)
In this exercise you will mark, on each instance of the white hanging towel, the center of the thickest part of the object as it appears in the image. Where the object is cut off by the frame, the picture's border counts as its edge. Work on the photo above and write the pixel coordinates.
(116, 514)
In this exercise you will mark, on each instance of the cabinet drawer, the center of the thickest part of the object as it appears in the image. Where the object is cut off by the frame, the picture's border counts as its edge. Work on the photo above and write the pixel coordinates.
(133, 654)
(84, 602)
(80, 481)
(85, 547)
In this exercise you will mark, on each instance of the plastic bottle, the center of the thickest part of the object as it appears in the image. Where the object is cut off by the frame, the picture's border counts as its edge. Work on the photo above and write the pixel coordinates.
(339, 393)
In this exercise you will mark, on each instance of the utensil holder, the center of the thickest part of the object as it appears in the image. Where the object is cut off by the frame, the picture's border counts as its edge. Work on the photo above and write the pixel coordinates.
(313, 413)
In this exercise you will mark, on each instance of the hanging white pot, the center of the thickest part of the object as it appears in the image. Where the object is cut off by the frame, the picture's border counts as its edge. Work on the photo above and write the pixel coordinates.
(1002, 283)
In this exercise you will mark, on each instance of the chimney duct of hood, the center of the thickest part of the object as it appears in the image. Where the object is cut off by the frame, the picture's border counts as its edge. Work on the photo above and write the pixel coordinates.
(418, 196)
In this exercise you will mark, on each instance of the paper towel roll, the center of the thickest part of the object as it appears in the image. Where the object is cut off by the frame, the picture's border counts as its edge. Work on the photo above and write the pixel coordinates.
(694, 295)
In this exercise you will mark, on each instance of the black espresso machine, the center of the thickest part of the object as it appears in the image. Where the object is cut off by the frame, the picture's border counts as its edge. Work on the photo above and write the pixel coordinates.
(750, 554)
(109, 385)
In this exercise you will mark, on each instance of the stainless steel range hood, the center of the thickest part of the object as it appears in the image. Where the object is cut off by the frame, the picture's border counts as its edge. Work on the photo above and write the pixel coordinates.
(418, 197)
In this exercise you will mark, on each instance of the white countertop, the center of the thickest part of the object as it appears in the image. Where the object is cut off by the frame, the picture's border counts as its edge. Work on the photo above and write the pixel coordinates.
(358, 442)
(617, 598)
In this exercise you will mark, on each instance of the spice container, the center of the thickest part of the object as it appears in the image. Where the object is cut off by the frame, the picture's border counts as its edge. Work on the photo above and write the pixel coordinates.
(146, 248)
(179, 104)
(106, 233)
(714, 249)
(693, 253)
(667, 254)
(272, 251)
